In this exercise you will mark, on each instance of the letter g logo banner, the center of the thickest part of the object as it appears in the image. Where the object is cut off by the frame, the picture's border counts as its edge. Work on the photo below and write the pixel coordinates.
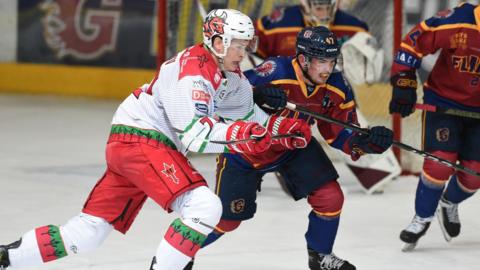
(73, 29)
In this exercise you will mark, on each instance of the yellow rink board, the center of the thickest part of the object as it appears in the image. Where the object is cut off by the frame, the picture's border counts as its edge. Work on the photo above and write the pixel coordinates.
(95, 82)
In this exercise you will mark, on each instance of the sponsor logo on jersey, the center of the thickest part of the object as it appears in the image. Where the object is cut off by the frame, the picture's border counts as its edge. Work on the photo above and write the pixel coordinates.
(200, 96)
(202, 108)
(444, 14)
(201, 84)
(267, 68)
(71, 28)
(442, 134)
(237, 206)
(169, 171)
(407, 59)
(276, 15)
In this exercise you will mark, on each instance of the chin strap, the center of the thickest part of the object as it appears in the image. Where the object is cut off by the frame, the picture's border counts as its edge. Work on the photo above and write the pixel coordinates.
(304, 70)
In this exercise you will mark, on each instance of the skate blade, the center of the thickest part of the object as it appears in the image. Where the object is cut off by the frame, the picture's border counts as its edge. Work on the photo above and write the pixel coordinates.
(447, 237)
(409, 247)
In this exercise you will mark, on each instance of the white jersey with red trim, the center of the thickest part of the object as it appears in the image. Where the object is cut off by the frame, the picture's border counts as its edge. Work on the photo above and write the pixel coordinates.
(187, 88)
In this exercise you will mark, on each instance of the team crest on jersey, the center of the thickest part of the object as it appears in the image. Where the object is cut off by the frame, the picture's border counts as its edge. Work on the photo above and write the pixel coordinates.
(237, 206)
(444, 14)
(73, 28)
(169, 171)
(443, 134)
(459, 40)
(276, 15)
(267, 68)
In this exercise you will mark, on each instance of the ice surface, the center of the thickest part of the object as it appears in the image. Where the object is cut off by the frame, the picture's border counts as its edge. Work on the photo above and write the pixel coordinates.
(52, 153)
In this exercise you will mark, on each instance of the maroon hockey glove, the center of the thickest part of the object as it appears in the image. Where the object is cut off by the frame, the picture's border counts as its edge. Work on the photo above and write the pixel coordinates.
(376, 142)
(404, 95)
(270, 96)
(278, 125)
(256, 138)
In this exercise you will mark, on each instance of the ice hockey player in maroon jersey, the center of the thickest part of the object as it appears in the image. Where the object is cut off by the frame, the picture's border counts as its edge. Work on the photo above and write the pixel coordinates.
(453, 83)
(309, 79)
(277, 34)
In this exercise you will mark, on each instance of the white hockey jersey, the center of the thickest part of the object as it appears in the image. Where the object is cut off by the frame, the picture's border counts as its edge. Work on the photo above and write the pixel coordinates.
(188, 87)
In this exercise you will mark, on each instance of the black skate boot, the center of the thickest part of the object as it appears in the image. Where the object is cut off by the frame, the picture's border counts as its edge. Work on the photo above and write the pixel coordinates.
(416, 229)
(447, 215)
(318, 261)
(4, 260)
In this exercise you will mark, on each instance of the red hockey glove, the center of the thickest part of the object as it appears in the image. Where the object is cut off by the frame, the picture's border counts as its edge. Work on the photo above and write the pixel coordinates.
(404, 95)
(257, 139)
(278, 125)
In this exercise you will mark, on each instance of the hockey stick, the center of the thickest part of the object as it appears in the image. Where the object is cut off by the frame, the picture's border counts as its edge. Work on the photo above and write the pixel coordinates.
(274, 137)
(403, 146)
(456, 112)
(201, 9)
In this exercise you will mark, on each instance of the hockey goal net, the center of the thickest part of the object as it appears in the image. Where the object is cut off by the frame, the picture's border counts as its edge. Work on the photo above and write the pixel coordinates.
(388, 22)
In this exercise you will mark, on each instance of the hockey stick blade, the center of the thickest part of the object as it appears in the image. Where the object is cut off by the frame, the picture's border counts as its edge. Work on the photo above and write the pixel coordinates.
(456, 112)
(403, 146)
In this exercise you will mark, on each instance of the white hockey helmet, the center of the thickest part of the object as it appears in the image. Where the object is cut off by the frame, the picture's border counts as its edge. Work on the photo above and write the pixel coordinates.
(313, 20)
(228, 24)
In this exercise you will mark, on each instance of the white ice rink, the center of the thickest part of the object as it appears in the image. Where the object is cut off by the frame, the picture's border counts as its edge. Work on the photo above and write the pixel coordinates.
(52, 153)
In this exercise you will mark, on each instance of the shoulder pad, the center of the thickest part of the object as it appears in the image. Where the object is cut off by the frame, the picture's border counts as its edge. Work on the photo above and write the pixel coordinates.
(462, 14)
(342, 18)
(283, 17)
(195, 61)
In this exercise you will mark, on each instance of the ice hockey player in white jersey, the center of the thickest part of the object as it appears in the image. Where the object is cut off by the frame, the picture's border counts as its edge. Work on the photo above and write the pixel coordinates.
(191, 103)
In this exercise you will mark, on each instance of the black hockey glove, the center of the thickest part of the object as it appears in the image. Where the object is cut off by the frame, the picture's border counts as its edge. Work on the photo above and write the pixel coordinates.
(270, 96)
(404, 94)
(379, 140)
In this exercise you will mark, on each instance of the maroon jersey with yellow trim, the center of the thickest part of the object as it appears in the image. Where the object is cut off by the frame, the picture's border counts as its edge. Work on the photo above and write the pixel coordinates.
(278, 31)
(455, 78)
(334, 99)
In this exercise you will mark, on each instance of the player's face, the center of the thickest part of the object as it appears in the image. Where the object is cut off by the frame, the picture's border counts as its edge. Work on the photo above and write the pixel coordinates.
(320, 69)
(235, 54)
(322, 12)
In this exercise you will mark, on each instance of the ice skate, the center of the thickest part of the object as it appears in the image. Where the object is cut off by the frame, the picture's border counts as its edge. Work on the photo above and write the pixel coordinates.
(447, 215)
(4, 261)
(416, 229)
(318, 261)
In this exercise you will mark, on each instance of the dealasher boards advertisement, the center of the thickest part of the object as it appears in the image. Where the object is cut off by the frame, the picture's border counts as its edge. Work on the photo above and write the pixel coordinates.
(104, 33)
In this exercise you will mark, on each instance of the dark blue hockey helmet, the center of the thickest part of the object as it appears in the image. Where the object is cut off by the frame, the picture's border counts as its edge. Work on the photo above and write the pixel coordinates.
(317, 42)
